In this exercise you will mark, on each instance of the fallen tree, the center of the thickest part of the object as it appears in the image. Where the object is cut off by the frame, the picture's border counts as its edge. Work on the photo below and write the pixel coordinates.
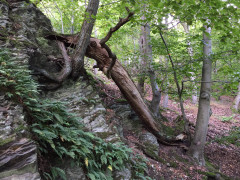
(108, 63)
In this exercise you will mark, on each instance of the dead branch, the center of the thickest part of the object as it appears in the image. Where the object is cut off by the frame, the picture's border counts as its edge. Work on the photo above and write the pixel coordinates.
(119, 24)
(108, 36)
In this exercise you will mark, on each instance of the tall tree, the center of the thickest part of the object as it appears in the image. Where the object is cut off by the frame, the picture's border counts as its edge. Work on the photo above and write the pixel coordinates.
(197, 146)
(143, 58)
(147, 58)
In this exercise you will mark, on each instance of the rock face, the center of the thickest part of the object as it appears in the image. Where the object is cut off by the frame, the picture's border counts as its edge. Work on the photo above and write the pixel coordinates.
(128, 121)
(83, 100)
(22, 31)
(18, 157)
(18, 31)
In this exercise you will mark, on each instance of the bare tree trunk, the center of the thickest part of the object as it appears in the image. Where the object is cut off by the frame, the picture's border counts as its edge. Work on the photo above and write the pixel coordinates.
(143, 58)
(190, 52)
(237, 99)
(72, 19)
(84, 38)
(60, 12)
(156, 94)
(165, 98)
(197, 146)
(123, 81)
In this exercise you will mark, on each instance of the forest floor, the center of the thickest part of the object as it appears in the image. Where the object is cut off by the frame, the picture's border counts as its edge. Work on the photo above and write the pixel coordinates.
(223, 158)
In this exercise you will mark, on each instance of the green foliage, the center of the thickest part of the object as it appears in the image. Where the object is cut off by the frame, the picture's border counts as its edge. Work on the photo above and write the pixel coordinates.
(139, 167)
(227, 118)
(232, 137)
(56, 130)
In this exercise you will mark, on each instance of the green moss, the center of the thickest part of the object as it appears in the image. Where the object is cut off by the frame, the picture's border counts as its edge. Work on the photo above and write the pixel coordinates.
(7, 140)
(93, 79)
(169, 131)
(179, 126)
(121, 100)
(173, 164)
(181, 159)
(150, 149)
(208, 174)
(20, 128)
(161, 160)
(210, 166)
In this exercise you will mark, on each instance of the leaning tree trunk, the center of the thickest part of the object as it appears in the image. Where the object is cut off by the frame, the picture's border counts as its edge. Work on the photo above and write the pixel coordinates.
(237, 99)
(197, 146)
(108, 63)
(84, 38)
(123, 81)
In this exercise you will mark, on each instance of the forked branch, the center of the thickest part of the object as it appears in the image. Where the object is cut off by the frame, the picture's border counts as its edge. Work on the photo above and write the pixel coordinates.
(108, 36)
(119, 24)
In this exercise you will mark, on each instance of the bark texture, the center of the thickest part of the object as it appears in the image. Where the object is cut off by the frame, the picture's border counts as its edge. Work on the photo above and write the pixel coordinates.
(237, 99)
(197, 146)
(84, 37)
(142, 59)
(123, 81)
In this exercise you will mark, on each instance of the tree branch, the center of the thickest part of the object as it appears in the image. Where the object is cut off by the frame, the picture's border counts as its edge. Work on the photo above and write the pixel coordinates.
(119, 24)
(108, 36)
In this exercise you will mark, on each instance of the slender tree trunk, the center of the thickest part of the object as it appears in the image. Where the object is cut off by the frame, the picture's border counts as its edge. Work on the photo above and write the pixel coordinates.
(237, 99)
(155, 103)
(84, 38)
(60, 12)
(179, 90)
(153, 79)
(156, 94)
(197, 146)
(142, 65)
(190, 52)
(72, 19)
(143, 58)
(165, 98)
(146, 53)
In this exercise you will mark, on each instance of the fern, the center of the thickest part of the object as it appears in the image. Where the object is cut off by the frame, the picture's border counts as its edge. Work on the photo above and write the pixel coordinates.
(55, 130)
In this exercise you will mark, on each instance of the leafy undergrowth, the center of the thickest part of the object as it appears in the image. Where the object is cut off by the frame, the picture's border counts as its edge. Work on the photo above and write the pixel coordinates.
(221, 153)
(59, 133)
